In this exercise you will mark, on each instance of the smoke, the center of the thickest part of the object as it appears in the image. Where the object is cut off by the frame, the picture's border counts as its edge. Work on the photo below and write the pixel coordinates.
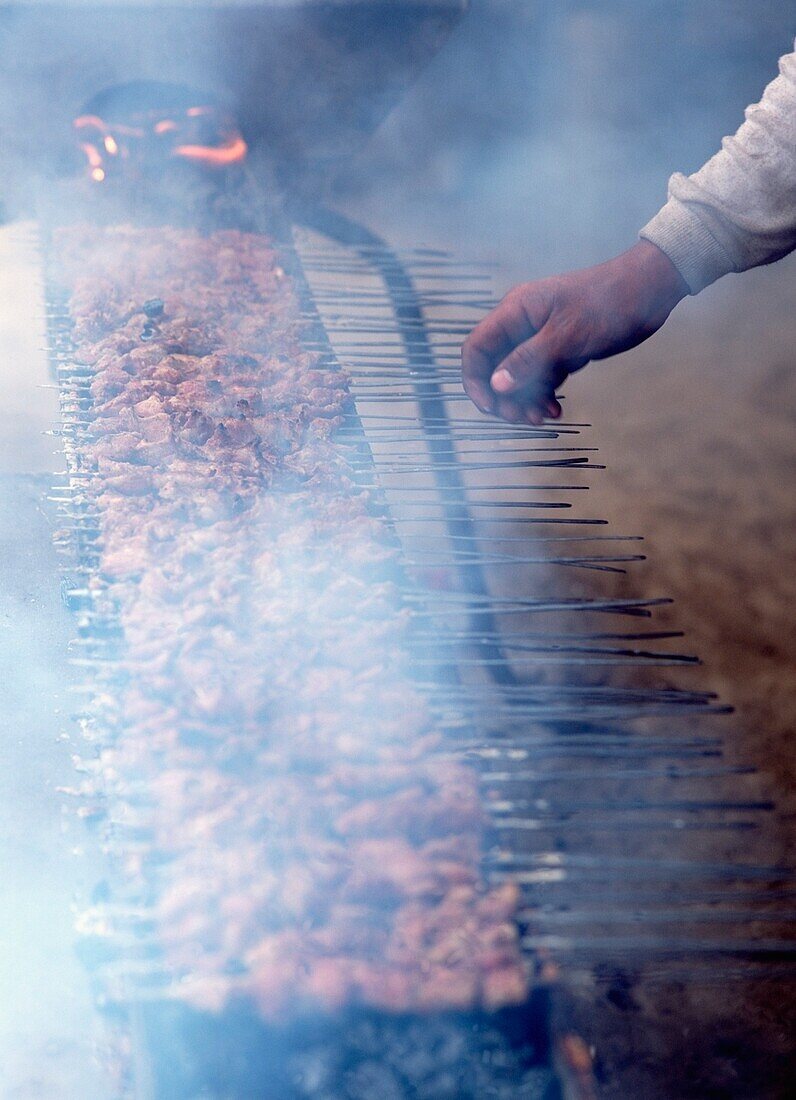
(307, 81)
(543, 135)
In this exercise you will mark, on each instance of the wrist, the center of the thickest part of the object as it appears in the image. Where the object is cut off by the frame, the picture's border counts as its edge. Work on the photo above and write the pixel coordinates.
(658, 283)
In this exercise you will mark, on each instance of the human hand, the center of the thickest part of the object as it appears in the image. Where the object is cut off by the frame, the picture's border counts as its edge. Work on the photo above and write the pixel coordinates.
(516, 358)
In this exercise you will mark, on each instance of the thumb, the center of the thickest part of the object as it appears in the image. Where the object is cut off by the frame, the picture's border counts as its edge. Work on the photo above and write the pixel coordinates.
(540, 364)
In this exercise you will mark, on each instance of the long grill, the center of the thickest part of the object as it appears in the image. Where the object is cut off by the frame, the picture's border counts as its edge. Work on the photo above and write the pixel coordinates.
(611, 804)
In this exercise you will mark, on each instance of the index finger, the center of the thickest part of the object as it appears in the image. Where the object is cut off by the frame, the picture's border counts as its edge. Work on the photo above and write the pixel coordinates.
(488, 345)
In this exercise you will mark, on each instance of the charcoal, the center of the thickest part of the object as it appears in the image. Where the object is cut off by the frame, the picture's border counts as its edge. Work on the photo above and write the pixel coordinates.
(422, 1059)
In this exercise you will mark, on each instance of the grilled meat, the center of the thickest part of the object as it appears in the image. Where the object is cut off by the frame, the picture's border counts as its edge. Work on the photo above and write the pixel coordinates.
(300, 841)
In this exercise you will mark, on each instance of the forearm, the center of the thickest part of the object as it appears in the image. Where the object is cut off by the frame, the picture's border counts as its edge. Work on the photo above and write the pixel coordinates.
(739, 209)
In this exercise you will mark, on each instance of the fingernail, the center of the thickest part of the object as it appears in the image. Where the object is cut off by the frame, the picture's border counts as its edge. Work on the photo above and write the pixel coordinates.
(502, 380)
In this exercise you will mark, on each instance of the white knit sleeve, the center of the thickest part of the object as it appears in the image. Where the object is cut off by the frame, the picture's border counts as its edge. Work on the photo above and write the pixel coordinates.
(739, 209)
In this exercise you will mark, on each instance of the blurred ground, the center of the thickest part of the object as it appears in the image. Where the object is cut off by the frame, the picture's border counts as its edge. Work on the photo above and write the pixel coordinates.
(542, 139)
(697, 431)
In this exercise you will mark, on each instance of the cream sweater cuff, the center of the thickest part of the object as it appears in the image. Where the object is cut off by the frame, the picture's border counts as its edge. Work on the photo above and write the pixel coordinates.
(689, 244)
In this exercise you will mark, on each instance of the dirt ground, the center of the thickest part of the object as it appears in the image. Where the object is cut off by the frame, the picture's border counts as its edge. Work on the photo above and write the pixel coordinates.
(697, 431)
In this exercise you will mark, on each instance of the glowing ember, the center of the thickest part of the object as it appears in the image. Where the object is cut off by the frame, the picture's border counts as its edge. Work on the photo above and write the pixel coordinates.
(141, 127)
